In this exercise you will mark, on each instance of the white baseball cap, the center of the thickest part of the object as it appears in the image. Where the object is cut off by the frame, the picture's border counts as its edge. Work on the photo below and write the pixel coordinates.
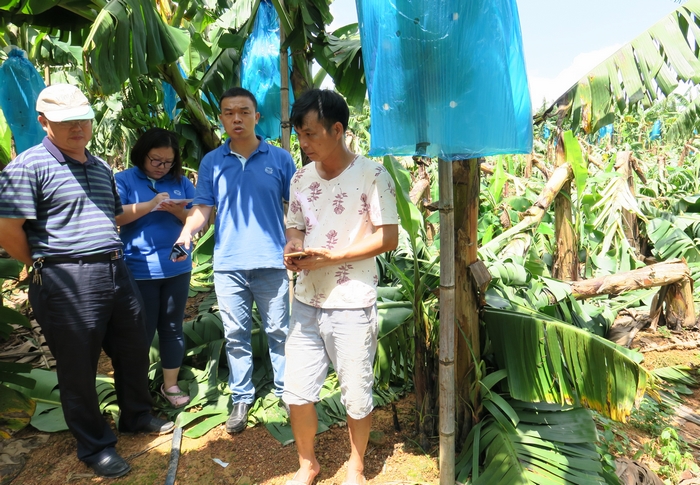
(64, 102)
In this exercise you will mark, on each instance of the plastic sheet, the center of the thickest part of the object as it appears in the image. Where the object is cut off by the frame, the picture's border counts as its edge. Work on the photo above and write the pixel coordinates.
(20, 85)
(260, 70)
(170, 99)
(655, 131)
(606, 130)
(445, 77)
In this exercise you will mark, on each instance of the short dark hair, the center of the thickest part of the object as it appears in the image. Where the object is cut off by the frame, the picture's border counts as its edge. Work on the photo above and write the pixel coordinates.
(236, 92)
(157, 138)
(330, 106)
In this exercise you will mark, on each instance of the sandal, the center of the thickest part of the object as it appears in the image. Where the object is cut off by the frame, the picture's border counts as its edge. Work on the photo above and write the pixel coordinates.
(175, 396)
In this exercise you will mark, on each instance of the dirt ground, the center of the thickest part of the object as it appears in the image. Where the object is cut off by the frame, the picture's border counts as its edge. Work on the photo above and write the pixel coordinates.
(255, 457)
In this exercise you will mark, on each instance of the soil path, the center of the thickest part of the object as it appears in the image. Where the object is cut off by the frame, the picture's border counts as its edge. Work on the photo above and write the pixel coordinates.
(253, 457)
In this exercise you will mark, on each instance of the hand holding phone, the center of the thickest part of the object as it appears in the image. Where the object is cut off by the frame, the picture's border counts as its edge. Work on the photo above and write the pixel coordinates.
(177, 252)
(298, 254)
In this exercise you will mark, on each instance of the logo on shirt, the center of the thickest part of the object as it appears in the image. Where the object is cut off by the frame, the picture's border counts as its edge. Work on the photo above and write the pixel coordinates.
(268, 170)
(177, 192)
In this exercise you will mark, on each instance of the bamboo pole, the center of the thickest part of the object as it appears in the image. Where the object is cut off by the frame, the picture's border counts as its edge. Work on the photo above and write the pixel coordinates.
(284, 89)
(284, 120)
(446, 374)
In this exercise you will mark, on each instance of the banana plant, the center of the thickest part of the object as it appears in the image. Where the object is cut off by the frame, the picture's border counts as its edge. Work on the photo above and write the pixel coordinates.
(647, 68)
(533, 425)
(415, 269)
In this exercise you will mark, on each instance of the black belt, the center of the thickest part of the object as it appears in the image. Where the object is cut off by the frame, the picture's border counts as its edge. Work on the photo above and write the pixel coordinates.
(93, 258)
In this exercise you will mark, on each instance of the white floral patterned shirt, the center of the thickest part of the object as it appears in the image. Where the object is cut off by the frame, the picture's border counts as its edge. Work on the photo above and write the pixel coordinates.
(334, 214)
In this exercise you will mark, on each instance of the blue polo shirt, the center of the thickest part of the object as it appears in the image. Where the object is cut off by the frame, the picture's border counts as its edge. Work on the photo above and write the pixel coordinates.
(248, 200)
(69, 206)
(149, 239)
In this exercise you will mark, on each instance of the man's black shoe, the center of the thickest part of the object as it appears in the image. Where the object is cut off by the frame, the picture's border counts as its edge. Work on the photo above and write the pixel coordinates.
(238, 419)
(153, 426)
(111, 466)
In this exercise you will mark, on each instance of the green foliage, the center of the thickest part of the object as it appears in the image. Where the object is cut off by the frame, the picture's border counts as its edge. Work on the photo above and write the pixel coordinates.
(16, 411)
(550, 361)
(528, 443)
(129, 39)
(203, 264)
(640, 72)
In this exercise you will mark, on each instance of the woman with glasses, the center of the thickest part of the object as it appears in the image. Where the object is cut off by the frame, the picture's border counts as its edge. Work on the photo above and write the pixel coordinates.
(156, 199)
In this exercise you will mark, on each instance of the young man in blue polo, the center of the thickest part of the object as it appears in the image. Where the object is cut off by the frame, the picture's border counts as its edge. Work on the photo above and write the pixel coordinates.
(247, 180)
(58, 204)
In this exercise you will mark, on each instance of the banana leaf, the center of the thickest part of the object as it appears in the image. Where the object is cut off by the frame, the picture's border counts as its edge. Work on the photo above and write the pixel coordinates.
(16, 411)
(652, 64)
(550, 444)
(129, 38)
(550, 361)
(670, 241)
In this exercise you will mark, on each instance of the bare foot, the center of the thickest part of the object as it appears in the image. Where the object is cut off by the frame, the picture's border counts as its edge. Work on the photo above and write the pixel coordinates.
(305, 475)
(354, 477)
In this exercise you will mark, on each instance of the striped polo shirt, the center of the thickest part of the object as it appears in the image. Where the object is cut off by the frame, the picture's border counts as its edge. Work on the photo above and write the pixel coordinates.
(69, 206)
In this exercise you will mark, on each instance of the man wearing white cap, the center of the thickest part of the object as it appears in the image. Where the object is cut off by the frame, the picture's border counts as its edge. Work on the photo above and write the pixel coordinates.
(57, 208)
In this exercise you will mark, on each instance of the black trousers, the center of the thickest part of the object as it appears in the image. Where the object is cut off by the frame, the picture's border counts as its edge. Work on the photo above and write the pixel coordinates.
(82, 308)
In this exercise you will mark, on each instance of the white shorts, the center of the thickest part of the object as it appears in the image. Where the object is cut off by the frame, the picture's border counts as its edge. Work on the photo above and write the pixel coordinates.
(345, 337)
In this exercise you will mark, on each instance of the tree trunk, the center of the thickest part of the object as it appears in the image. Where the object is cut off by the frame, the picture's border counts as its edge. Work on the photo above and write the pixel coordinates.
(533, 216)
(623, 165)
(565, 265)
(466, 201)
(659, 274)
(528, 166)
(680, 311)
(198, 119)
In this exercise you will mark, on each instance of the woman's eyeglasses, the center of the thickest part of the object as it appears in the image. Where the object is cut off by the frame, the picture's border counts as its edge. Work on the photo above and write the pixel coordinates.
(160, 163)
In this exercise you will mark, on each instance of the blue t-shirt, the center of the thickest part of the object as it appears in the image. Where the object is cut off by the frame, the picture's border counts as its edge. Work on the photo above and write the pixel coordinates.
(69, 206)
(248, 200)
(149, 239)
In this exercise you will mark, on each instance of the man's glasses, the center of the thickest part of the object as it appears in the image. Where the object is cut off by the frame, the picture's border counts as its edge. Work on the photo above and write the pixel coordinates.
(74, 123)
(160, 163)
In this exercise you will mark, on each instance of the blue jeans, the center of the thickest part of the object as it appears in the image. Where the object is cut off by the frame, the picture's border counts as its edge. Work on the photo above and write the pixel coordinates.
(235, 292)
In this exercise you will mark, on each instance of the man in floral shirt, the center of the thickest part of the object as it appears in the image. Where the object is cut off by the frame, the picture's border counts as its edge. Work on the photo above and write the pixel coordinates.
(342, 214)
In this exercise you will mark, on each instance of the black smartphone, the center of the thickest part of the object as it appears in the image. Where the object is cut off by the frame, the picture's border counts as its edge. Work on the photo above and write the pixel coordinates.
(177, 251)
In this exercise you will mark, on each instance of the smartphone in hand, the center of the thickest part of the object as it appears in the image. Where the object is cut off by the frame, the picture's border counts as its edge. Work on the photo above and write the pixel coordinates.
(177, 251)
(298, 254)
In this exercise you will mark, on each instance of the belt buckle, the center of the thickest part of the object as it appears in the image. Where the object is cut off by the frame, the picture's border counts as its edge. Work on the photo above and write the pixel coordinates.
(116, 254)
